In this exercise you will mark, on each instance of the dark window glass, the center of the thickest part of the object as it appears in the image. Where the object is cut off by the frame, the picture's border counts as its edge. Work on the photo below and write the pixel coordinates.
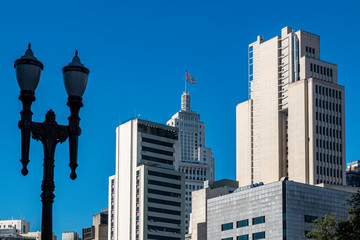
(242, 237)
(154, 150)
(149, 140)
(164, 220)
(226, 226)
(164, 175)
(156, 237)
(242, 223)
(166, 211)
(164, 184)
(230, 238)
(163, 193)
(309, 219)
(163, 229)
(258, 235)
(258, 220)
(311, 67)
(165, 202)
(155, 159)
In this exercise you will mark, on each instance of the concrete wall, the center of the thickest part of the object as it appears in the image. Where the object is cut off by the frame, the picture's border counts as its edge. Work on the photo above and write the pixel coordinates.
(243, 143)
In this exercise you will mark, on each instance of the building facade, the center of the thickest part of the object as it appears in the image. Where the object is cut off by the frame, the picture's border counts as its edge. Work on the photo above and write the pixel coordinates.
(16, 227)
(353, 174)
(99, 229)
(279, 210)
(198, 219)
(148, 194)
(294, 121)
(36, 235)
(195, 160)
(70, 235)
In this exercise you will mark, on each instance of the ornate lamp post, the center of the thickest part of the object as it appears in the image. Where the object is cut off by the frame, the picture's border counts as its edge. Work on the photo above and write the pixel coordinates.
(28, 70)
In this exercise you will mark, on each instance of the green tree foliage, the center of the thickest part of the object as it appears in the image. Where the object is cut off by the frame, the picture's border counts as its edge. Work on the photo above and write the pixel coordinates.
(329, 228)
(325, 228)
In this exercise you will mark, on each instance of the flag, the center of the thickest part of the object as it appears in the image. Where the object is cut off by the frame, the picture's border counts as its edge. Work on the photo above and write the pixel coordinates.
(189, 78)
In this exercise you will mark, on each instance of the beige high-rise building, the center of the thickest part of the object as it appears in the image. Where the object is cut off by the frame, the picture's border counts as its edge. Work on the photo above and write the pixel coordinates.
(147, 200)
(294, 122)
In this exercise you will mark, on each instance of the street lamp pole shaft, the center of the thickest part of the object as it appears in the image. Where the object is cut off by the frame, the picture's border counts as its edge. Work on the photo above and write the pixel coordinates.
(49, 133)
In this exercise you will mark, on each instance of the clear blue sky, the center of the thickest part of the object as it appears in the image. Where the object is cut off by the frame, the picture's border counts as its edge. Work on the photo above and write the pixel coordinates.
(137, 52)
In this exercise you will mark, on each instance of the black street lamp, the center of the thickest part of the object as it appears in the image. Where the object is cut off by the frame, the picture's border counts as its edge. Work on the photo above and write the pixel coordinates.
(28, 70)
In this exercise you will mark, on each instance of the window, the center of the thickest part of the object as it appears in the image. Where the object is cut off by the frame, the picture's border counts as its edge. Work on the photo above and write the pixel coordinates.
(242, 237)
(164, 175)
(258, 235)
(165, 211)
(242, 223)
(230, 238)
(258, 220)
(310, 219)
(226, 226)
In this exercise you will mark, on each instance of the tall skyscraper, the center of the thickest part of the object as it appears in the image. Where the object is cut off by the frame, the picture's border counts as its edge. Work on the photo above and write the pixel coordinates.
(195, 160)
(293, 123)
(148, 194)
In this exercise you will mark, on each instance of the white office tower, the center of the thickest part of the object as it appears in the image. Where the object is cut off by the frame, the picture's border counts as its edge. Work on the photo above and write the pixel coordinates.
(70, 235)
(293, 123)
(196, 161)
(148, 200)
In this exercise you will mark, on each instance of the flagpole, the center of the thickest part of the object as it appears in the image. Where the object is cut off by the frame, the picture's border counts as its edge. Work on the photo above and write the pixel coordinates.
(185, 80)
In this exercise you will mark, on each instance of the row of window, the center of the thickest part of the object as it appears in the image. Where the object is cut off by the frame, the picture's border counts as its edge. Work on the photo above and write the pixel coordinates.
(327, 92)
(328, 105)
(155, 150)
(328, 182)
(164, 193)
(156, 159)
(164, 229)
(327, 132)
(329, 172)
(193, 171)
(164, 202)
(164, 220)
(328, 119)
(157, 131)
(156, 237)
(321, 70)
(328, 158)
(164, 184)
(327, 145)
(243, 223)
(310, 50)
(157, 142)
(164, 175)
(255, 236)
(165, 211)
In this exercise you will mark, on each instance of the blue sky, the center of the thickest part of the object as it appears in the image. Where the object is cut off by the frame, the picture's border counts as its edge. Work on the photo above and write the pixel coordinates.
(137, 53)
